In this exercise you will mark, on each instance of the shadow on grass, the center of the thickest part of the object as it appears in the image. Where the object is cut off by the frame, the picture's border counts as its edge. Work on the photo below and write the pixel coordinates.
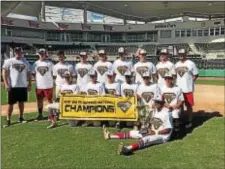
(199, 118)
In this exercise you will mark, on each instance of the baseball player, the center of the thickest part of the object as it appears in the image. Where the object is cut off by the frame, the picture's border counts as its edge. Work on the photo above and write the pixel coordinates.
(174, 99)
(112, 88)
(102, 66)
(43, 72)
(159, 131)
(67, 88)
(163, 67)
(59, 69)
(82, 70)
(94, 88)
(187, 73)
(16, 75)
(120, 66)
(143, 66)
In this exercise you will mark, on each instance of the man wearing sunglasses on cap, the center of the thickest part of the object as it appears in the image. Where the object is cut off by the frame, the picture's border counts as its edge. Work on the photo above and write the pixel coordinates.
(16, 75)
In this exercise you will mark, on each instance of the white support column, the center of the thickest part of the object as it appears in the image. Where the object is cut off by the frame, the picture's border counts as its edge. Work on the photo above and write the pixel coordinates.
(43, 11)
(85, 14)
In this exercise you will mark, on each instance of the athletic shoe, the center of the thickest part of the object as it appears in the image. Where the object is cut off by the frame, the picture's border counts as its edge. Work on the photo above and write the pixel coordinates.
(39, 117)
(188, 126)
(106, 133)
(53, 125)
(117, 126)
(135, 128)
(21, 120)
(8, 123)
(122, 150)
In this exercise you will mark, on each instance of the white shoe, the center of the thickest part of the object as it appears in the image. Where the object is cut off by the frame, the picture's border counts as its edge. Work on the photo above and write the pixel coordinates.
(106, 133)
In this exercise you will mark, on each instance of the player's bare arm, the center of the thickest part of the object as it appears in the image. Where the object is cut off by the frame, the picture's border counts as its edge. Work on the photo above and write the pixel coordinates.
(29, 78)
(5, 79)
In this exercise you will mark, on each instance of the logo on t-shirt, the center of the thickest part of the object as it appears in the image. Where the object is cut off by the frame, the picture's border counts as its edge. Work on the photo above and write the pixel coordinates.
(156, 123)
(169, 97)
(124, 106)
(82, 71)
(163, 71)
(67, 91)
(142, 70)
(128, 92)
(102, 69)
(122, 69)
(19, 67)
(181, 70)
(92, 92)
(61, 72)
(110, 91)
(42, 70)
(147, 96)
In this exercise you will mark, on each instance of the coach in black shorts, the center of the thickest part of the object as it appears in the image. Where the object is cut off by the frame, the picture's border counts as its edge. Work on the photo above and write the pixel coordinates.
(17, 80)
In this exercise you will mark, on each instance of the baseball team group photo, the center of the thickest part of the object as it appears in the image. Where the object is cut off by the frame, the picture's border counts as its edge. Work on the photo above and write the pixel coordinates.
(133, 95)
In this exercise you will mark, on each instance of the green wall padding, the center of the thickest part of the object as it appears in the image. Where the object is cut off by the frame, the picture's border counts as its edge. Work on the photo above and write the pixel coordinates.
(211, 72)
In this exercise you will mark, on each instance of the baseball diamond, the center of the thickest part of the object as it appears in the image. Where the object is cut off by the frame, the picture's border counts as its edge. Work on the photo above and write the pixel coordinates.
(112, 85)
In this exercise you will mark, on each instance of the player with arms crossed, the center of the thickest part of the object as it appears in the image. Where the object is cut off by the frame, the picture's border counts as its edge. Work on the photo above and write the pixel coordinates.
(120, 66)
(163, 67)
(187, 73)
(82, 70)
(159, 131)
(143, 66)
(102, 66)
(16, 75)
(94, 88)
(59, 69)
(67, 88)
(43, 72)
(174, 99)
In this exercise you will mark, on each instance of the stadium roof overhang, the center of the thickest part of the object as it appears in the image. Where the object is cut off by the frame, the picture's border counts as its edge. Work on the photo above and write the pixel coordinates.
(139, 11)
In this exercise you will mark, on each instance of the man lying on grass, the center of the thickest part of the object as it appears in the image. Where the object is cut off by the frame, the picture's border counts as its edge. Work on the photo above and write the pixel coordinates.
(159, 131)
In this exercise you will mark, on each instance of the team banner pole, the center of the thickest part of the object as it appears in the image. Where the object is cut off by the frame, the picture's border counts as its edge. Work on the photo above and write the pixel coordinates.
(83, 107)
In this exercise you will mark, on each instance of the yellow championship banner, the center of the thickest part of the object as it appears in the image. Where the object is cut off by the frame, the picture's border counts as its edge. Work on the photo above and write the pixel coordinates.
(82, 107)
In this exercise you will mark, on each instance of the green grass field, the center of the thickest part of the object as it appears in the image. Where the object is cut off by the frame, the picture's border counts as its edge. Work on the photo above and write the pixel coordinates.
(32, 97)
(31, 145)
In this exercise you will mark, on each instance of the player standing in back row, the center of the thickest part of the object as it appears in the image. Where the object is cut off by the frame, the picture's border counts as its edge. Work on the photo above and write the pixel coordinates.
(120, 66)
(43, 72)
(187, 73)
(163, 67)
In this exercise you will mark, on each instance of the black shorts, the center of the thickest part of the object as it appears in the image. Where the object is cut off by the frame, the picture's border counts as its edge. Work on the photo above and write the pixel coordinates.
(17, 95)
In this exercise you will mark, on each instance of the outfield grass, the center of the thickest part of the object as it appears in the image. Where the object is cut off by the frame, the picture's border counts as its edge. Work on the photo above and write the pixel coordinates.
(31, 145)
(210, 82)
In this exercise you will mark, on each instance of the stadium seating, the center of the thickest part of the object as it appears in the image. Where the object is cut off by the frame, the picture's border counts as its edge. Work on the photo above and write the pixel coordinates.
(113, 49)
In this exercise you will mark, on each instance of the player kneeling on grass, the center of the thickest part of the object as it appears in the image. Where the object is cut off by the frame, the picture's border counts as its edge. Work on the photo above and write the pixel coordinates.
(159, 131)
(67, 88)
(174, 99)
(94, 88)
(112, 88)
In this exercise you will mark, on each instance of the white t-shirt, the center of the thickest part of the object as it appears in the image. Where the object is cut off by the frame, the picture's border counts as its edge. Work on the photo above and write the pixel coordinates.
(161, 120)
(95, 89)
(142, 67)
(162, 69)
(128, 90)
(58, 71)
(112, 88)
(102, 68)
(185, 72)
(172, 95)
(120, 67)
(17, 72)
(70, 88)
(43, 74)
(82, 71)
(147, 93)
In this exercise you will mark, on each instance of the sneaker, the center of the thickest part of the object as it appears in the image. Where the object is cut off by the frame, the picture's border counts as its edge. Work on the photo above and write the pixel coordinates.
(40, 117)
(8, 123)
(135, 128)
(122, 150)
(106, 133)
(117, 126)
(188, 126)
(53, 125)
(21, 120)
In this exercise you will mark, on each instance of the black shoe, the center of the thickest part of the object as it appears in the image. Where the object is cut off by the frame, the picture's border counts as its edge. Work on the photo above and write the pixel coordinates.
(8, 123)
(21, 120)
(40, 117)
(122, 150)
